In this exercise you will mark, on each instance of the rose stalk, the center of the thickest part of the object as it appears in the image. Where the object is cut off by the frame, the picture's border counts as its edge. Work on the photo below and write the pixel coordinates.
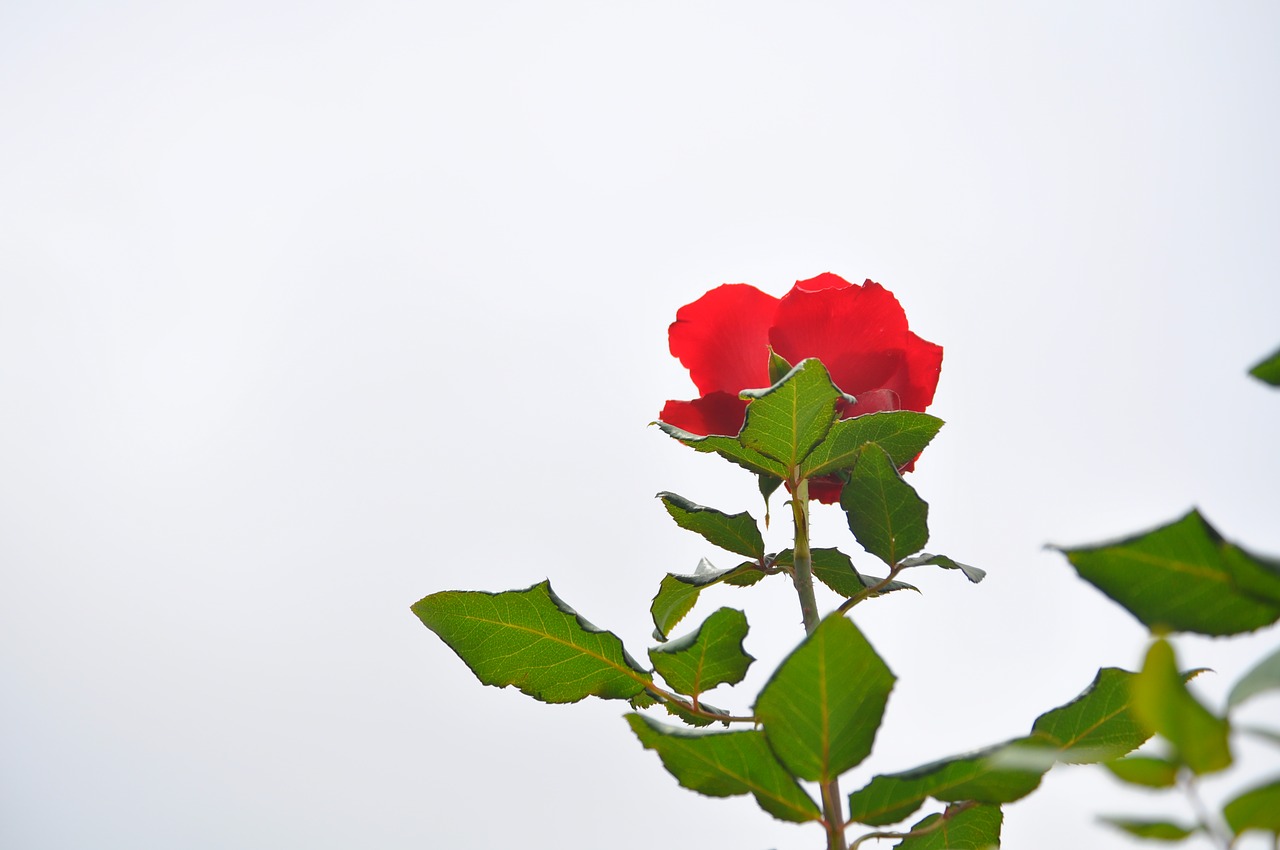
(736, 338)
(821, 391)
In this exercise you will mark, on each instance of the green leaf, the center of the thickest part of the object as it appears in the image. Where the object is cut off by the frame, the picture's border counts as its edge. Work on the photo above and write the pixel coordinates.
(1178, 578)
(684, 711)
(728, 448)
(1265, 676)
(889, 798)
(973, 574)
(903, 434)
(884, 512)
(1162, 702)
(787, 420)
(1147, 771)
(711, 656)
(768, 486)
(677, 594)
(736, 532)
(725, 764)
(1254, 574)
(778, 366)
(961, 828)
(644, 699)
(1258, 808)
(679, 708)
(834, 569)
(1158, 830)
(1268, 370)
(823, 705)
(534, 641)
(1096, 726)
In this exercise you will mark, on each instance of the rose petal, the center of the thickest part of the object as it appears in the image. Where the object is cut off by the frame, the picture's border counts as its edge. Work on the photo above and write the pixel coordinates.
(860, 333)
(826, 489)
(723, 338)
(714, 413)
(871, 401)
(923, 366)
(826, 280)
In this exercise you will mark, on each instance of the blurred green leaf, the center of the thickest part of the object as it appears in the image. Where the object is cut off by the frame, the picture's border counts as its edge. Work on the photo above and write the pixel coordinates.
(1265, 676)
(1256, 575)
(884, 512)
(1257, 808)
(1271, 736)
(834, 569)
(1178, 577)
(1162, 703)
(677, 594)
(823, 705)
(1094, 726)
(968, 828)
(1268, 370)
(924, 559)
(531, 639)
(786, 420)
(888, 798)
(1097, 725)
(725, 764)
(1147, 771)
(736, 532)
(903, 434)
(1158, 830)
(728, 448)
(711, 656)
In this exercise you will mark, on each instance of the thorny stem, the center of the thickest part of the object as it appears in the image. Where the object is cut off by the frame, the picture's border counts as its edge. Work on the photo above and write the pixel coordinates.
(802, 576)
(947, 815)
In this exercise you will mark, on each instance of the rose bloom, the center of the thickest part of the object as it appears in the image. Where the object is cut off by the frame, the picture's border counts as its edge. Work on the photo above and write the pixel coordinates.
(858, 332)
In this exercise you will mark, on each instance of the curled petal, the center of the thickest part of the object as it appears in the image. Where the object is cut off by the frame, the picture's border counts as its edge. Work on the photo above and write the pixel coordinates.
(826, 280)
(714, 413)
(872, 401)
(723, 338)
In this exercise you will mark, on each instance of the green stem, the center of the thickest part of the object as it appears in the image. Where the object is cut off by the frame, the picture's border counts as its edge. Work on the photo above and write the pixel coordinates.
(802, 575)
(1214, 828)
(872, 590)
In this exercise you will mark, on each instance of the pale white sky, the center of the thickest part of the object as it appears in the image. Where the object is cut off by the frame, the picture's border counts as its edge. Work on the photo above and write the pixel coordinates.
(311, 309)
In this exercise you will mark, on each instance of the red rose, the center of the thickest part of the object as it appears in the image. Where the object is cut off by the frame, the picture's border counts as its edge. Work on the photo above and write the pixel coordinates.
(858, 332)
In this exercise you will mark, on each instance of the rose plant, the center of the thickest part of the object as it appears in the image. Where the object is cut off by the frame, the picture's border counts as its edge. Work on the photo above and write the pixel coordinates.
(822, 390)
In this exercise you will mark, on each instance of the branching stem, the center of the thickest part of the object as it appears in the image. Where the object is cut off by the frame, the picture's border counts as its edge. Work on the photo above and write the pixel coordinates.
(668, 697)
(868, 592)
(947, 815)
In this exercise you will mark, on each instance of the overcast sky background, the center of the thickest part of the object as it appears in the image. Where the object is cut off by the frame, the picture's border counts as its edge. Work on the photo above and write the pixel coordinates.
(311, 309)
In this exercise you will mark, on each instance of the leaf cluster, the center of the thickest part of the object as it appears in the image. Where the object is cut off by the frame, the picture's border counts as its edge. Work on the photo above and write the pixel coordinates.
(1186, 577)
